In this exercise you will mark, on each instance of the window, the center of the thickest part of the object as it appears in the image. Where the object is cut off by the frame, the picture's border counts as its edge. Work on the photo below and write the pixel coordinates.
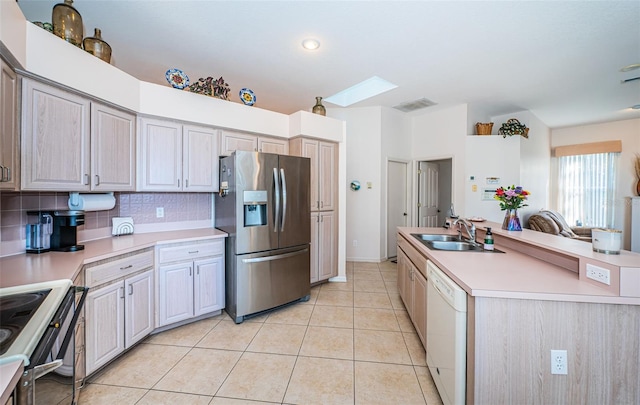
(586, 188)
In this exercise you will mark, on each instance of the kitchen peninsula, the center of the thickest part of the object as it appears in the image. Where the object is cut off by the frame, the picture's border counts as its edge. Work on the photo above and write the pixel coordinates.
(534, 298)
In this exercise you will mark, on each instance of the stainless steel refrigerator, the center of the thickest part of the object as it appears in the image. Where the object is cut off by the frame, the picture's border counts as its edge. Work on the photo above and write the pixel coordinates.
(263, 205)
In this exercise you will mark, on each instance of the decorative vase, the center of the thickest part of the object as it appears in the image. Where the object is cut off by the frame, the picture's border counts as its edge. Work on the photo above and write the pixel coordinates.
(511, 220)
(319, 108)
(97, 47)
(67, 23)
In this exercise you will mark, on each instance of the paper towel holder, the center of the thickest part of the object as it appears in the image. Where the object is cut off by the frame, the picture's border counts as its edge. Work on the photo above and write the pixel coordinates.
(74, 199)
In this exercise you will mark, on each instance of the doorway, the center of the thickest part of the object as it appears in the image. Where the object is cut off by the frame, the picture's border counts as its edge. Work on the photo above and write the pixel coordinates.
(434, 187)
(397, 202)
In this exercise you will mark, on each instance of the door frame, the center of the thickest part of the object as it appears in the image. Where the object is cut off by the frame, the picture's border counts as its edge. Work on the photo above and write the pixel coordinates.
(414, 182)
(409, 180)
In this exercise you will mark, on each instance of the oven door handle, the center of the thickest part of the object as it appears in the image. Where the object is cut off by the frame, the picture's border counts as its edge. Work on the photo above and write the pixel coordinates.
(43, 369)
(72, 327)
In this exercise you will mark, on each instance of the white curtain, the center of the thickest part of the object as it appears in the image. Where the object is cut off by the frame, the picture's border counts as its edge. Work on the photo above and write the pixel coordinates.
(586, 189)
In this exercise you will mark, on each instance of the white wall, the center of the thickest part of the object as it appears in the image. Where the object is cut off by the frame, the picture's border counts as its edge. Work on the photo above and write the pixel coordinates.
(442, 134)
(628, 131)
(364, 140)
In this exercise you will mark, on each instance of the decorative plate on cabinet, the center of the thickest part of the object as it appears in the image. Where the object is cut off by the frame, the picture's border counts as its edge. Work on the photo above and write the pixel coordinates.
(247, 96)
(177, 78)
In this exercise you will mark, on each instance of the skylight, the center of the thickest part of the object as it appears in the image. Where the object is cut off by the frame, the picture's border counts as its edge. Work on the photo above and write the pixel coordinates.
(361, 91)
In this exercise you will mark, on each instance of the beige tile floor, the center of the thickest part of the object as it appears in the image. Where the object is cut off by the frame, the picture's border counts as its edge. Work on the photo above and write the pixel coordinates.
(352, 343)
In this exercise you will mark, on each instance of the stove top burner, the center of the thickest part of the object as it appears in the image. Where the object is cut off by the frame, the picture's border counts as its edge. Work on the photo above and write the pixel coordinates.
(15, 312)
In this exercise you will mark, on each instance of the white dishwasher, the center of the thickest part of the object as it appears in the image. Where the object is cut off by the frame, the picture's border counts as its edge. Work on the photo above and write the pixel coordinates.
(446, 335)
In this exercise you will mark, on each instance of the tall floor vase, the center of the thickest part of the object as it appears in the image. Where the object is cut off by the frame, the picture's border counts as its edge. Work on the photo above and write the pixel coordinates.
(511, 220)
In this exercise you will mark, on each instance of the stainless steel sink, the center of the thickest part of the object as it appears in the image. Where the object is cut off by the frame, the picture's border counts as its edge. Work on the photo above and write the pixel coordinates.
(436, 237)
(450, 243)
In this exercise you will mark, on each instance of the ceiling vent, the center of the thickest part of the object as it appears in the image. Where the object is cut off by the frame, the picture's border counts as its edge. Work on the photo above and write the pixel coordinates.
(414, 105)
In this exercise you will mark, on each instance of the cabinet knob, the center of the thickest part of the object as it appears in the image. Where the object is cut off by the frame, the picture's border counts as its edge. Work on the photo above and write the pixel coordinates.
(2, 174)
(86, 179)
(97, 180)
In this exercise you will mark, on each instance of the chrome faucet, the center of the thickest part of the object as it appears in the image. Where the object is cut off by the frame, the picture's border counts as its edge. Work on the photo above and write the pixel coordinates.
(471, 231)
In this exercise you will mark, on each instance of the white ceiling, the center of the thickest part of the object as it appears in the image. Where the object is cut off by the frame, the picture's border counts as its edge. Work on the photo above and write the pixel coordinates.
(559, 59)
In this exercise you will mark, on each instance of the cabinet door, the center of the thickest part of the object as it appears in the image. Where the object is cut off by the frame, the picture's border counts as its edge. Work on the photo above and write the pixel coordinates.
(55, 139)
(273, 145)
(327, 253)
(419, 305)
(314, 247)
(160, 155)
(310, 150)
(176, 293)
(112, 149)
(8, 128)
(237, 141)
(104, 314)
(327, 179)
(208, 294)
(200, 159)
(139, 307)
(404, 279)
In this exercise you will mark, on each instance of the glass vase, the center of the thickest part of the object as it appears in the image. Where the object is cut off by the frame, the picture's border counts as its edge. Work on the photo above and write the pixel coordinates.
(319, 108)
(511, 220)
(96, 46)
(67, 23)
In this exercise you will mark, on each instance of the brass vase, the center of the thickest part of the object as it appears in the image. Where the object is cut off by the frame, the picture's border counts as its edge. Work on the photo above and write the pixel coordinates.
(67, 23)
(97, 47)
(319, 108)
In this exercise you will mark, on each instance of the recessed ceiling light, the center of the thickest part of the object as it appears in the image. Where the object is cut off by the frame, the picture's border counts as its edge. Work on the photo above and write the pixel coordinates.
(361, 91)
(629, 68)
(311, 44)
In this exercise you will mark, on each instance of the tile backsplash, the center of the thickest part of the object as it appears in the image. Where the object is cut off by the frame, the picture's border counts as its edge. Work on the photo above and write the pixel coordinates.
(178, 207)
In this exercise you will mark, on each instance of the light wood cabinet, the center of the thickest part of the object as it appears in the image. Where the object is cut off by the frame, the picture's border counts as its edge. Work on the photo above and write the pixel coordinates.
(55, 139)
(113, 149)
(9, 162)
(232, 141)
(120, 306)
(324, 171)
(176, 157)
(324, 249)
(72, 144)
(190, 280)
(412, 286)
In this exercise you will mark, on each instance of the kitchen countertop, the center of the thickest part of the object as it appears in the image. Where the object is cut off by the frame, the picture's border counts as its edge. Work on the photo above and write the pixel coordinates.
(33, 268)
(517, 275)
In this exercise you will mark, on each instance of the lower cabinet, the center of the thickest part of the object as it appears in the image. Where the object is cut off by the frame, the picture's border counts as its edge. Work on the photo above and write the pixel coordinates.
(190, 280)
(324, 255)
(412, 285)
(117, 316)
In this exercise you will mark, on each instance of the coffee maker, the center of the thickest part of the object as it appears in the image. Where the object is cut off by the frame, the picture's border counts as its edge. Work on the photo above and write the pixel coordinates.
(38, 231)
(64, 235)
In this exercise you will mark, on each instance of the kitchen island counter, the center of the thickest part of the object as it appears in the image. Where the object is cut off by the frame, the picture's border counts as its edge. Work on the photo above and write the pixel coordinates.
(534, 265)
(33, 268)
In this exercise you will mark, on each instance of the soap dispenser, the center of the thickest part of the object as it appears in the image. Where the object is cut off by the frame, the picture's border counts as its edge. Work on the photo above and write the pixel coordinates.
(488, 240)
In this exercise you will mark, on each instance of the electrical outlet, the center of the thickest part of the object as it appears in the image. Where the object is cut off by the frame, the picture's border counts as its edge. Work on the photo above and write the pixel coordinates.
(559, 362)
(159, 212)
(599, 274)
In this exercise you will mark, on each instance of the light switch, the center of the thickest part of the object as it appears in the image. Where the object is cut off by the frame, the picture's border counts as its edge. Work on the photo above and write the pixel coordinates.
(369, 184)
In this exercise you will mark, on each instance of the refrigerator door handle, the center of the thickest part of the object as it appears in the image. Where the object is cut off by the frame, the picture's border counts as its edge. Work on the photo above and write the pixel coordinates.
(275, 257)
(277, 198)
(284, 199)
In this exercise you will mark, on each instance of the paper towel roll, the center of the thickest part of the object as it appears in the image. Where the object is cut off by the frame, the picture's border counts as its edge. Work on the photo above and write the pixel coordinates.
(91, 202)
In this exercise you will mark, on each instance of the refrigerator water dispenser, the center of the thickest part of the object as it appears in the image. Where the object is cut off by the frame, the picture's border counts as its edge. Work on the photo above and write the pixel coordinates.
(255, 207)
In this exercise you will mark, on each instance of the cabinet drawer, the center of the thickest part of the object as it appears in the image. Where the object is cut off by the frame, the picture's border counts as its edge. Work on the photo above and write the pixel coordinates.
(117, 268)
(416, 258)
(190, 251)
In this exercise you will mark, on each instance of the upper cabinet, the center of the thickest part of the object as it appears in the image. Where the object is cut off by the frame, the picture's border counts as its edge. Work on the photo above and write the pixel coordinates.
(324, 171)
(72, 144)
(8, 128)
(113, 154)
(176, 157)
(232, 141)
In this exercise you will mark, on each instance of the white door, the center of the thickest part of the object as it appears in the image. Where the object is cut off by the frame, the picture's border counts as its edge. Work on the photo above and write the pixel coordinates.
(428, 194)
(139, 307)
(105, 325)
(176, 293)
(208, 294)
(396, 203)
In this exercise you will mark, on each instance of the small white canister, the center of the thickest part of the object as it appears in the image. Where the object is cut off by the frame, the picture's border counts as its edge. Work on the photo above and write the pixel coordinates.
(607, 241)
